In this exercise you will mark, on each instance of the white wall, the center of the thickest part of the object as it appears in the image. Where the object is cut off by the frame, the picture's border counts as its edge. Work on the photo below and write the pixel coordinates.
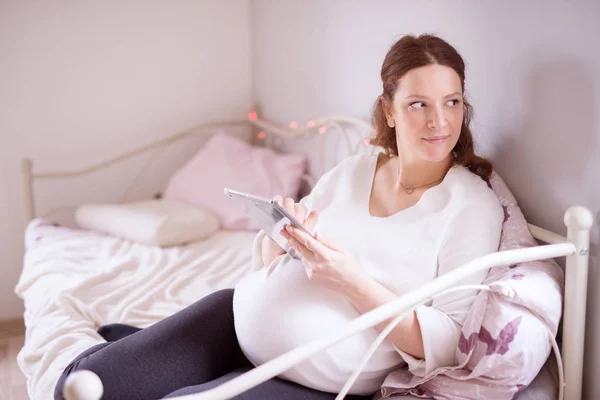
(80, 81)
(533, 77)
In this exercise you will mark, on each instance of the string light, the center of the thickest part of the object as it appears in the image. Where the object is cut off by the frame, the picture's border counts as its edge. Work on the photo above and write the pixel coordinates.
(252, 115)
(367, 141)
(323, 130)
(262, 135)
(293, 124)
(311, 124)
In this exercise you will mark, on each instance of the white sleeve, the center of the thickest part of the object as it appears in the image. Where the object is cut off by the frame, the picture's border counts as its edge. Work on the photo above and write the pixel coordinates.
(257, 261)
(472, 233)
(322, 193)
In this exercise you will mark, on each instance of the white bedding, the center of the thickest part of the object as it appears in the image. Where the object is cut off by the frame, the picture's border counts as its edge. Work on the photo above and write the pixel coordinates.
(74, 281)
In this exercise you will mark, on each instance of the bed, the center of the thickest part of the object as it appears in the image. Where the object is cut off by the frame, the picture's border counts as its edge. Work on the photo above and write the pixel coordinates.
(74, 280)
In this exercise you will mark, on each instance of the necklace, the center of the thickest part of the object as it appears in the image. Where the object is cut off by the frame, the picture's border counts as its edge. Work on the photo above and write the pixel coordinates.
(409, 190)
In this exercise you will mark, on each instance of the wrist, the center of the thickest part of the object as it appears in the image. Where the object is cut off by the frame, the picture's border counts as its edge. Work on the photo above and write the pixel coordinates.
(271, 246)
(270, 250)
(357, 287)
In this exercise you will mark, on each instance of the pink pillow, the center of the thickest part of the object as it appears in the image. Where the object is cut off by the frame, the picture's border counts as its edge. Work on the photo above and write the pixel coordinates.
(229, 162)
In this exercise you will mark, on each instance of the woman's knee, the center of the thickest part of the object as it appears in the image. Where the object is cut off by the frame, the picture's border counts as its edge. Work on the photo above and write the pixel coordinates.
(219, 303)
(222, 298)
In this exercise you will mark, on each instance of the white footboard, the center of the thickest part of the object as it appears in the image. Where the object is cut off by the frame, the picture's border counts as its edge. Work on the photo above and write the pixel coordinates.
(578, 220)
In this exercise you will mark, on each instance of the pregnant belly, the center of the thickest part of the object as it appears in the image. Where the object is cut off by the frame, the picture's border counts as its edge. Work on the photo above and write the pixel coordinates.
(277, 312)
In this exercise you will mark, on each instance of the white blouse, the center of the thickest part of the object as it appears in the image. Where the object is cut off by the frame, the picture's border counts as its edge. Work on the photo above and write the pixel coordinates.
(277, 308)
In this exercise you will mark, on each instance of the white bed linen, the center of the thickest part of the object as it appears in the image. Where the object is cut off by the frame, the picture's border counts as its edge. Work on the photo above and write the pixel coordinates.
(74, 281)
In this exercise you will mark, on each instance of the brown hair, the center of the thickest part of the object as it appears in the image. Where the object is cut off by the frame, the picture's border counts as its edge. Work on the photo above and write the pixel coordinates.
(412, 52)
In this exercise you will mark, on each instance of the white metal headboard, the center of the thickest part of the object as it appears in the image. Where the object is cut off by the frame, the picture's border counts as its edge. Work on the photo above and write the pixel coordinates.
(264, 130)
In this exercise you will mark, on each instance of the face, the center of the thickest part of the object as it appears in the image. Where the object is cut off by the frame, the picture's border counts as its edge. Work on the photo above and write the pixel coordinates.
(427, 112)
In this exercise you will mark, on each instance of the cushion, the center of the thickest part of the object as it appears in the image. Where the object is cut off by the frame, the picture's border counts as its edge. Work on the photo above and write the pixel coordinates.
(504, 341)
(156, 223)
(228, 162)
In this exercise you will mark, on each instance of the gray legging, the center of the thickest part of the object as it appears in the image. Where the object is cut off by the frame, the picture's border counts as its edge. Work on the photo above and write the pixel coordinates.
(189, 352)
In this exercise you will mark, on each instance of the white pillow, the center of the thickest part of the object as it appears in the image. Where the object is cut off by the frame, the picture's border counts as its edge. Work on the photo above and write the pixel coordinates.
(157, 223)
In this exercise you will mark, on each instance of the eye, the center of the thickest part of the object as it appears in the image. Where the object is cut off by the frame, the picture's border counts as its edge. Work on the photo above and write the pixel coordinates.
(417, 104)
(452, 102)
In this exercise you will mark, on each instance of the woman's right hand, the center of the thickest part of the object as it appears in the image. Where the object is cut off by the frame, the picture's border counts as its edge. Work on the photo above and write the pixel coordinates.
(270, 249)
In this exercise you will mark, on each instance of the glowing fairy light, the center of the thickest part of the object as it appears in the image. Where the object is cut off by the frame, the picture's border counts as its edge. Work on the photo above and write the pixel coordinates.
(252, 115)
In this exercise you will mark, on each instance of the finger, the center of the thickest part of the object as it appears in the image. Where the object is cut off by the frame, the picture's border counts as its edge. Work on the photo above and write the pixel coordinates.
(309, 273)
(299, 212)
(294, 242)
(308, 242)
(311, 221)
(288, 203)
(305, 253)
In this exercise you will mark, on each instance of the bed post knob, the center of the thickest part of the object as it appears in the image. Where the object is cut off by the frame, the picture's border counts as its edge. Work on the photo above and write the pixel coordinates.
(579, 218)
(83, 385)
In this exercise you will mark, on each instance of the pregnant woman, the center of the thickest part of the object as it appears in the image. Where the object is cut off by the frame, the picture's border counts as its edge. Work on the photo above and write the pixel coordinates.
(385, 224)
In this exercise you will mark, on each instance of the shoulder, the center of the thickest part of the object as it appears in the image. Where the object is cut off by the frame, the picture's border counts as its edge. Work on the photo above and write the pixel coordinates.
(358, 160)
(352, 164)
(338, 180)
(470, 193)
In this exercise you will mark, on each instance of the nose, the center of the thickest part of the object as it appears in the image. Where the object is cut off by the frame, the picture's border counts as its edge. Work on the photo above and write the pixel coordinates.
(437, 118)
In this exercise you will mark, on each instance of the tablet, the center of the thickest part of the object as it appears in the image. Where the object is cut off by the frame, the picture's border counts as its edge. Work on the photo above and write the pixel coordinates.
(269, 215)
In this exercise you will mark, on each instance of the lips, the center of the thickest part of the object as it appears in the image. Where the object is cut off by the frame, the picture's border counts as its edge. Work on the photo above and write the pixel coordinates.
(436, 139)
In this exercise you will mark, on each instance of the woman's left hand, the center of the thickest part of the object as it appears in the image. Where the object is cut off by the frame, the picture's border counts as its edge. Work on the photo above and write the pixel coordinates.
(325, 263)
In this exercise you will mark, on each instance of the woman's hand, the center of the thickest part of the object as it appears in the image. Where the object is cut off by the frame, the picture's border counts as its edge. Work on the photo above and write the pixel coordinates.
(270, 249)
(326, 263)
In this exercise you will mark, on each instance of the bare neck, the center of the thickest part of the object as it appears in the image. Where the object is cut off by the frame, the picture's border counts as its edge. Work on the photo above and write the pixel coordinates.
(419, 173)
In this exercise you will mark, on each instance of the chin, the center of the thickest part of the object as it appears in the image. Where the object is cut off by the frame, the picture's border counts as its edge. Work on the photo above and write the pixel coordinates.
(436, 156)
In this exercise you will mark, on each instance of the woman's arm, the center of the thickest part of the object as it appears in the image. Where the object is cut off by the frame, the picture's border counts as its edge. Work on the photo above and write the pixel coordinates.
(336, 269)
(427, 338)
(368, 294)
